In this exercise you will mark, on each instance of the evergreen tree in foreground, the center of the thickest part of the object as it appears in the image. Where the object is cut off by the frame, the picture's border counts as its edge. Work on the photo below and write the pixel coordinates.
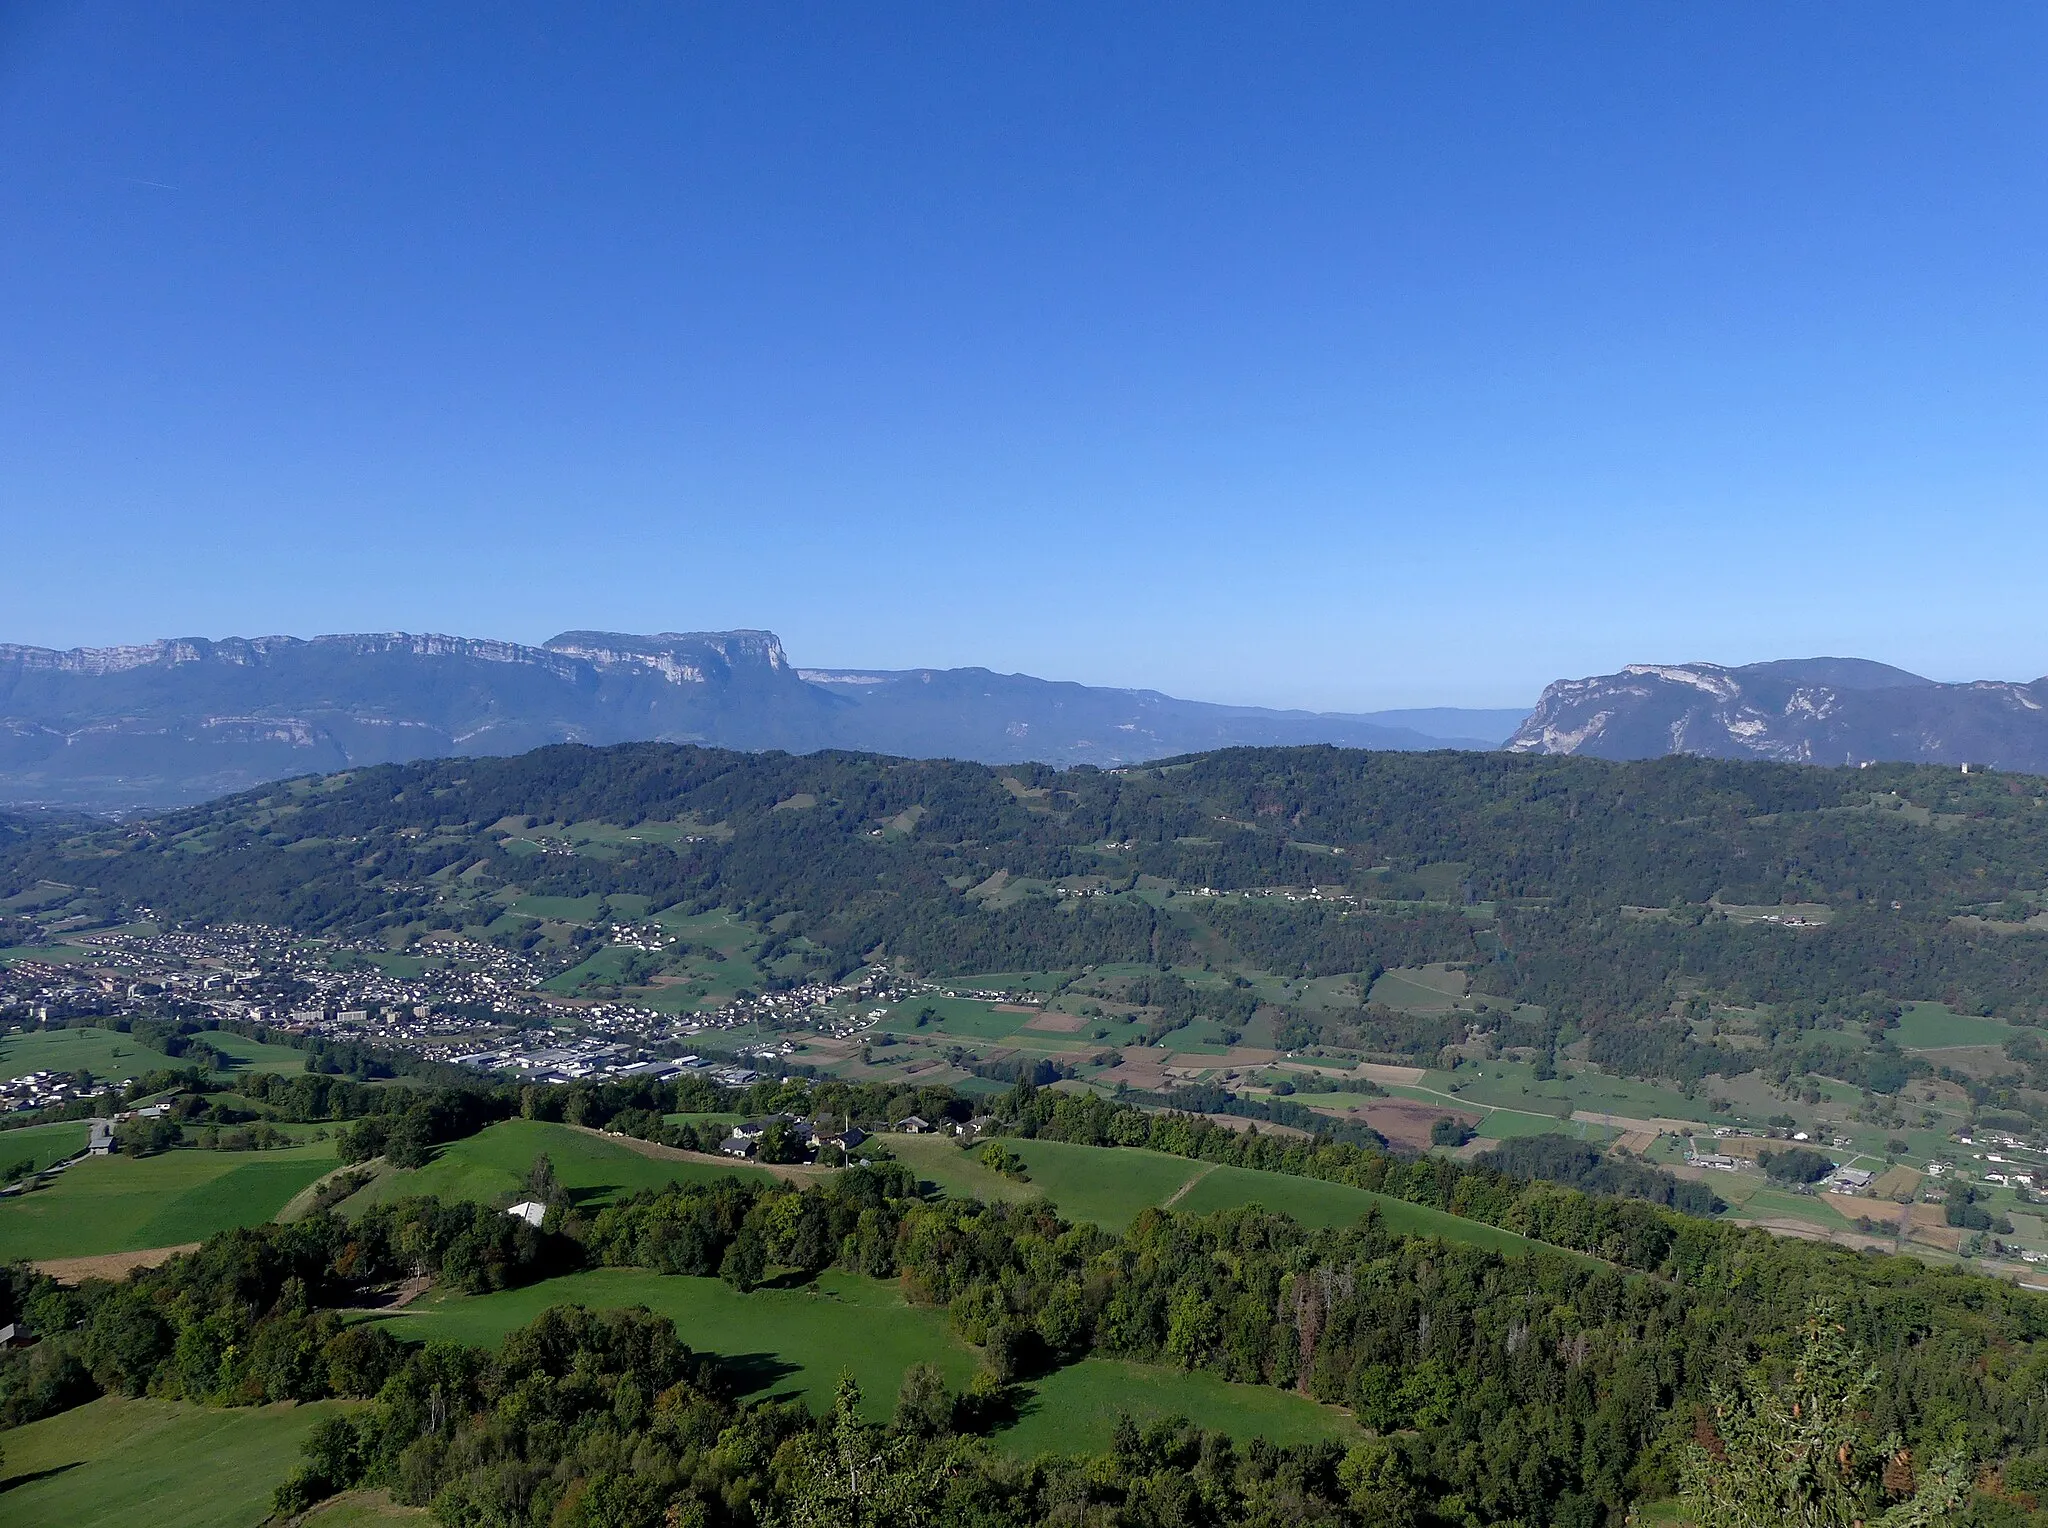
(1796, 1457)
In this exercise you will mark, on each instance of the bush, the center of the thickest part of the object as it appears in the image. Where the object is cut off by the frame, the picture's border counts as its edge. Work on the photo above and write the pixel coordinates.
(1799, 1165)
(1450, 1132)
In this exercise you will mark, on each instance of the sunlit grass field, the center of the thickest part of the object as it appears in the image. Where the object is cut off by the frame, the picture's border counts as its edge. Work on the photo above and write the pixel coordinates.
(126, 1204)
(116, 1463)
(492, 1166)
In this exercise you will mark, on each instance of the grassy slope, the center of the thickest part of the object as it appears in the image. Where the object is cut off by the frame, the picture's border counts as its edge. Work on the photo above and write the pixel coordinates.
(1075, 1409)
(797, 1342)
(42, 1144)
(254, 1056)
(122, 1204)
(103, 1052)
(1109, 1185)
(492, 1165)
(1316, 1203)
(1933, 1026)
(115, 1463)
(784, 1341)
(362, 1509)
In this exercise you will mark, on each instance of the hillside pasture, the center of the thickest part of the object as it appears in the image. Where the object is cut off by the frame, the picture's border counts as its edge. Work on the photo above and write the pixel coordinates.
(1935, 1026)
(1110, 1185)
(106, 1053)
(42, 1144)
(778, 1342)
(796, 1342)
(1075, 1409)
(116, 1462)
(126, 1204)
(253, 1055)
(491, 1167)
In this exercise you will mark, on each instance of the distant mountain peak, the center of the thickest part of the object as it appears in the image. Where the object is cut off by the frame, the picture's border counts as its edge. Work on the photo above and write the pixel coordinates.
(680, 657)
(1798, 710)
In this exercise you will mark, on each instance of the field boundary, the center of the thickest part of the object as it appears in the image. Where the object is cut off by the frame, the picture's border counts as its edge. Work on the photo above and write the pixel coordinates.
(792, 1172)
(111, 1266)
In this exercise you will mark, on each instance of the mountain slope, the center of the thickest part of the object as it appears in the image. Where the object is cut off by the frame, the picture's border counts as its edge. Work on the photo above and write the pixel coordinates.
(973, 713)
(174, 722)
(1807, 711)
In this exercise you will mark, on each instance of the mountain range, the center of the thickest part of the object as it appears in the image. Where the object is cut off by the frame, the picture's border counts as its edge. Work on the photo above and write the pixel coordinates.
(166, 723)
(1802, 710)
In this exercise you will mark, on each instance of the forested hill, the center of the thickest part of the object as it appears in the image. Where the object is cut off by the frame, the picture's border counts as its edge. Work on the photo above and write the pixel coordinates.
(1587, 886)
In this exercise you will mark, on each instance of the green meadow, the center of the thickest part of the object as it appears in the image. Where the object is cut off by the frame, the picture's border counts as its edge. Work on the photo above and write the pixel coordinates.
(1075, 1409)
(797, 1342)
(1933, 1026)
(42, 1144)
(126, 1204)
(1109, 1185)
(253, 1055)
(103, 1052)
(491, 1166)
(115, 1462)
(780, 1342)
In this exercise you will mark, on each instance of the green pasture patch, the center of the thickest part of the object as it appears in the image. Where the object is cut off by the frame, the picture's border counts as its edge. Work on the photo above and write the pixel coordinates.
(1106, 1184)
(42, 1144)
(491, 1167)
(1934, 1026)
(609, 966)
(778, 1342)
(962, 1017)
(1109, 1185)
(1316, 1203)
(1507, 1124)
(1512, 1085)
(253, 1055)
(1075, 1409)
(126, 1204)
(406, 968)
(42, 894)
(1418, 991)
(1019, 981)
(106, 1053)
(585, 909)
(939, 1160)
(117, 1462)
(48, 954)
(363, 1509)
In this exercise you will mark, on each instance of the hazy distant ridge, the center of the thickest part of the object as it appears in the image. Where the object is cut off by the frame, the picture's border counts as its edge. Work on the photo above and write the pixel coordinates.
(163, 723)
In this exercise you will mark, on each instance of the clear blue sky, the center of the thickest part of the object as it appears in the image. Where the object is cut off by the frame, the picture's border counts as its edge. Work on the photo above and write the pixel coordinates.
(1343, 356)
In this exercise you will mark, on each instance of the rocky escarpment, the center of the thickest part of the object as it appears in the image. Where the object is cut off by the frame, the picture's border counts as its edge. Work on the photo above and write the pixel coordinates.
(166, 723)
(1809, 711)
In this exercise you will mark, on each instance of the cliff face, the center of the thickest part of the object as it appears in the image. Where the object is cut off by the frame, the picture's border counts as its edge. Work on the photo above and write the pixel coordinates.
(178, 721)
(1809, 711)
(166, 723)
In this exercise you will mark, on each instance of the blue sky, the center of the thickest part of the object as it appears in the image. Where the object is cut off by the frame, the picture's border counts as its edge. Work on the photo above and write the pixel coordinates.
(1340, 356)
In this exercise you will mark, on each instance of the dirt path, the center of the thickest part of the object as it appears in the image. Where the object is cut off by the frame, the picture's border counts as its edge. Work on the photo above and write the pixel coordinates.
(300, 1205)
(109, 1265)
(794, 1172)
(1182, 1192)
